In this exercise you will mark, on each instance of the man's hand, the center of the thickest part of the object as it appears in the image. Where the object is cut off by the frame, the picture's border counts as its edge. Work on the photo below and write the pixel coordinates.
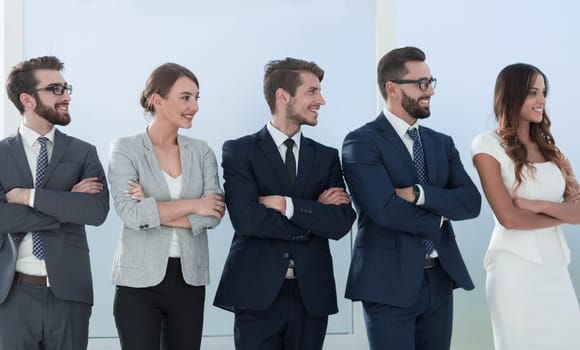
(275, 202)
(406, 193)
(88, 185)
(334, 195)
(18, 196)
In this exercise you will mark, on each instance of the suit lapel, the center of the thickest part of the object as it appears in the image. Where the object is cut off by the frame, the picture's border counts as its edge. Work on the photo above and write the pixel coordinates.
(186, 157)
(154, 166)
(430, 151)
(270, 151)
(305, 165)
(60, 144)
(17, 151)
(391, 136)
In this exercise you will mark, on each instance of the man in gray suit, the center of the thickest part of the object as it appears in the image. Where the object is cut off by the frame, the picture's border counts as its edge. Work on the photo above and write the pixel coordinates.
(51, 186)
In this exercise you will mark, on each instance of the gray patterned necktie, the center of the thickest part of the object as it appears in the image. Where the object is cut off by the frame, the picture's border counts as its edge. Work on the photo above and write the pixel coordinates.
(419, 160)
(41, 166)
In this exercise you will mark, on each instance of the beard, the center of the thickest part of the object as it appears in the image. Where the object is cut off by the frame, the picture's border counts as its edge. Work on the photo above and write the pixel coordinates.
(297, 117)
(413, 108)
(52, 115)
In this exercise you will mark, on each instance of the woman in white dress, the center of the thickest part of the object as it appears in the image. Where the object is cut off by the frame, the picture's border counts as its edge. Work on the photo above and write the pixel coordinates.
(526, 178)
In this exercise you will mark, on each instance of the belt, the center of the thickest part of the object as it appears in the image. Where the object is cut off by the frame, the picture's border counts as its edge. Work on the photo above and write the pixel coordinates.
(430, 262)
(20, 277)
(290, 274)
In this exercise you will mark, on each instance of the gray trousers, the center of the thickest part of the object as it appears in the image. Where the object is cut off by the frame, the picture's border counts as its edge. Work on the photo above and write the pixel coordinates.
(32, 318)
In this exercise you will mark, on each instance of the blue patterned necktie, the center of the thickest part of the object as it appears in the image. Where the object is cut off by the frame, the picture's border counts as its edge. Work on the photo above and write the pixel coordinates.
(419, 160)
(41, 165)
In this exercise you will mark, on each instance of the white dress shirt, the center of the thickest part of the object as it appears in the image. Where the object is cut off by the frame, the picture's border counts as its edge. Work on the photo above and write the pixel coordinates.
(27, 263)
(279, 137)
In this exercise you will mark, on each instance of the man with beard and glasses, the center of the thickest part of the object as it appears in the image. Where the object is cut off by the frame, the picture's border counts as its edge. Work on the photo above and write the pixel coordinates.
(286, 198)
(407, 182)
(51, 186)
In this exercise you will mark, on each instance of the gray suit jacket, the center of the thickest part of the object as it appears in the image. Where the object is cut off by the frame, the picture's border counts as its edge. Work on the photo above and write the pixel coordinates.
(141, 256)
(59, 215)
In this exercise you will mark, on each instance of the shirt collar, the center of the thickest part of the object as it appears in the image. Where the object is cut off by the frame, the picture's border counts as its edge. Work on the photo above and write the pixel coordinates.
(399, 124)
(279, 137)
(29, 136)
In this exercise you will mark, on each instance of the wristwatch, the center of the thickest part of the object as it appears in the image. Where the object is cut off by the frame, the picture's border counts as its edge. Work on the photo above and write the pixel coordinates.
(417, 192)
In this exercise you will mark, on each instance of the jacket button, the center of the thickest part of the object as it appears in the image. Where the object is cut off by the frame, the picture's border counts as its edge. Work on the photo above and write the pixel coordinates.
(146, 226)
(286, 255)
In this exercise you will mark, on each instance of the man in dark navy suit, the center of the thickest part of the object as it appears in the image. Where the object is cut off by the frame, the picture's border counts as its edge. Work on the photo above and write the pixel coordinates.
(285, 196)
(407, 183)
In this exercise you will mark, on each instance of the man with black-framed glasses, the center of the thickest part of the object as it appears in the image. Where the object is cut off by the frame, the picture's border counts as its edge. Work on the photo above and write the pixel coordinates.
(51, 186)
(407, 182)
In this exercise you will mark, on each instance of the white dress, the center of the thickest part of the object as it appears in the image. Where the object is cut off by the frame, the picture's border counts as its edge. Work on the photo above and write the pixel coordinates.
(531, 298)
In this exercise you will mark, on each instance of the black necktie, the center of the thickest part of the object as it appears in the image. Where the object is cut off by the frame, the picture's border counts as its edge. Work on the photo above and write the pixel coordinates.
(419, 160)
(290, 160)
(41, 165)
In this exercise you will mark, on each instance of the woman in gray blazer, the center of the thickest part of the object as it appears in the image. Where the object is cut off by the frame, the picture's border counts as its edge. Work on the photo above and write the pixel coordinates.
(166, 190)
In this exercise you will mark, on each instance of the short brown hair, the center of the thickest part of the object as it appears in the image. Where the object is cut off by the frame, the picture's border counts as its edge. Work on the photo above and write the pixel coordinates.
(161, 80)
(22, 80)
(285, 74)
(392, 65)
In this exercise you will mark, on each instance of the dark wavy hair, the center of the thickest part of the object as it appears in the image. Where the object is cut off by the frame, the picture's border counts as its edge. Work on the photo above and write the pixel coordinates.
(285, 74)
(511, 90)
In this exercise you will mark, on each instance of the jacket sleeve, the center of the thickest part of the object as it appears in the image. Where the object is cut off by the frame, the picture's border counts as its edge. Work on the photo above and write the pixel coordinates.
(76, 207)
(21, 218)
(459, 199)
(136, 215)
(210, 186)
(325, 220)
(373, 191)
(248, 216)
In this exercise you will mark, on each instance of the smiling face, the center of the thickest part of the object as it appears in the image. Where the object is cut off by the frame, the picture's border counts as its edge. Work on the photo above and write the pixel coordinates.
(302, 109)
(180, 105)
(414, 100)
(51, 107)
(533, 107)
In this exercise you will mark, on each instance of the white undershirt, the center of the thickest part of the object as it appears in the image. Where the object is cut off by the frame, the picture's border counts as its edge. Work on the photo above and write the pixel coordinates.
(174, 185)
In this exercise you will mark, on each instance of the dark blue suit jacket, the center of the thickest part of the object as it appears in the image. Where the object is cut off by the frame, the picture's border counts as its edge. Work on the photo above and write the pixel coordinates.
(59, 215)
(264, 240)
(387, 261)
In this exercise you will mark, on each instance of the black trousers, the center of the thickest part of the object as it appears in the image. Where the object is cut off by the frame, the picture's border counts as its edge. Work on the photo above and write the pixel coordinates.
(140, 313)
(285, 325)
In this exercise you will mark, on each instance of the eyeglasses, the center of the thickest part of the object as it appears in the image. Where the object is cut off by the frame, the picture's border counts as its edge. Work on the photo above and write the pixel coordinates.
(58, 90)
(423, 83)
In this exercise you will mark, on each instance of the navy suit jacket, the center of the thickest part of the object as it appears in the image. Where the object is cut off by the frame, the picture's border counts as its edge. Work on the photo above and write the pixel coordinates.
(264, 240)
(388, 255)
(59, 215)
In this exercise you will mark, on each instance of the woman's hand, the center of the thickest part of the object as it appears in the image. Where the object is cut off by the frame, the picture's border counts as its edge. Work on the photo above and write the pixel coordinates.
(135, 191)
(211, 205)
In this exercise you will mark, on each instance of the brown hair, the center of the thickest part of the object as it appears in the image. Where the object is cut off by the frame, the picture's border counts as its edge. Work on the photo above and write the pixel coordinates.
(392, 65)
(285, 74)
(511, 89)
(22, 79)
(161, 81)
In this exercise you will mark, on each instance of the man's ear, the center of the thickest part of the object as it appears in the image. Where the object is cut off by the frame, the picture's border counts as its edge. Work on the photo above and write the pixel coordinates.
(282, 96)
(27, 100)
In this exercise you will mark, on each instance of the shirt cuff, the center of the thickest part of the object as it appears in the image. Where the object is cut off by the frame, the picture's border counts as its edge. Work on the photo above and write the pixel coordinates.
(31, 198)
(421, 199)
(289, 207)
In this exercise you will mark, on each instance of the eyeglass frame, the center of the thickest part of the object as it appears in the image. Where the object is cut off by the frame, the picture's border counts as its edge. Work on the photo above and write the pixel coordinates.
(428, 81)
(54, 87)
